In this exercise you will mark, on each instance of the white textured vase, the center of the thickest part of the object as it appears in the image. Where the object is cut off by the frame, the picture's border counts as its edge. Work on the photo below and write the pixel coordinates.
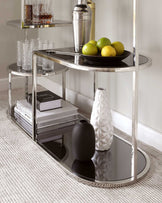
(102, 121)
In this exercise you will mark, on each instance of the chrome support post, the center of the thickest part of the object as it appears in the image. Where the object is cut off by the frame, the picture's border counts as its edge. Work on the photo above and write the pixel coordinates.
(135, 95)
(64, 85)
(34, 97)
(10, 93)
(134, 125)
(26, 86)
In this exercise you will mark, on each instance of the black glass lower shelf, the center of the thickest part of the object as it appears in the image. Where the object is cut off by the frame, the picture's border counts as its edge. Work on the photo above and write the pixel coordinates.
(110, 168)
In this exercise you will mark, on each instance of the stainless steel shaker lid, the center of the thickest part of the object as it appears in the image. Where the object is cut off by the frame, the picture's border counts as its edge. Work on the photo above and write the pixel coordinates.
(81, 7)
(82, 1)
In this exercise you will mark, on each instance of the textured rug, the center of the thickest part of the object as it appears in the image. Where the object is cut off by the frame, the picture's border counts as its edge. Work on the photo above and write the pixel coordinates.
(28, 174)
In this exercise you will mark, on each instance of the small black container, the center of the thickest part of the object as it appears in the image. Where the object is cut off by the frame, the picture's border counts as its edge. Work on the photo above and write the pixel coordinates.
(83, 141)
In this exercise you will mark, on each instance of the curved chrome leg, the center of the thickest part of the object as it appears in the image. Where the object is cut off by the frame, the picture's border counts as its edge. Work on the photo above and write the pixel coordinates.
(135, 94)
(134, 125)
(34, 97)
(64, 85)
(26, 86)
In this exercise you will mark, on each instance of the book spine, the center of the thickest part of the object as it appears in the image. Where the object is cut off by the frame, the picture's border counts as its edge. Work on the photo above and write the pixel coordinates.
(24, 109)
(38, 105)
(23, 114)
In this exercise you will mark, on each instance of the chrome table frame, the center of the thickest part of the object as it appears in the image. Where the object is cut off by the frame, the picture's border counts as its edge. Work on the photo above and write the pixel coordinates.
(134, 69)
(75, 65)
(18, 71)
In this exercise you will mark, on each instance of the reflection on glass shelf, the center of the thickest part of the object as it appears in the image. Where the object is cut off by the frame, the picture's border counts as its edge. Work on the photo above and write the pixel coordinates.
(111, 165)
(67, 56)
(102, 164)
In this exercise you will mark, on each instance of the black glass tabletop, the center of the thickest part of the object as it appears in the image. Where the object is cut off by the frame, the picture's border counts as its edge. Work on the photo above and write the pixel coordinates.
(70, 56)
(111, 165)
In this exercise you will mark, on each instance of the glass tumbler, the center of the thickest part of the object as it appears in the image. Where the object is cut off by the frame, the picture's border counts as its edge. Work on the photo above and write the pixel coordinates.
(26, 56)
(40, 47)
(51, 64)
(37, 7)
(19, 53)
(44, 61)
(48, 65)
(46, 13)
(34, 44)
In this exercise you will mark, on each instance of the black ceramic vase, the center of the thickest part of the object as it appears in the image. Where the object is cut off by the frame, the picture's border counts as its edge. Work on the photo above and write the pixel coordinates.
(83, 141)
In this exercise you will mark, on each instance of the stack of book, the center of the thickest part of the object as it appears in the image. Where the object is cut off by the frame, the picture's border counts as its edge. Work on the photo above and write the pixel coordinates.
(46, 100)
(60, 115)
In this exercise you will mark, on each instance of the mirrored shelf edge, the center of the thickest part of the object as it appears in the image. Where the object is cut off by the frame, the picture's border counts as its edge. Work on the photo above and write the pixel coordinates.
(17, 70)
(57, 23)
(77, 66)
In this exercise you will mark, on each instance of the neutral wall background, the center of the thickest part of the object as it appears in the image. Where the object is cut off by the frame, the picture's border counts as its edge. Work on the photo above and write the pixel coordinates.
(114, 20)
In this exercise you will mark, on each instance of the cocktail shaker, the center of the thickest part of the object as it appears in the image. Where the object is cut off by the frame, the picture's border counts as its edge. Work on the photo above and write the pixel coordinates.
(81, 24)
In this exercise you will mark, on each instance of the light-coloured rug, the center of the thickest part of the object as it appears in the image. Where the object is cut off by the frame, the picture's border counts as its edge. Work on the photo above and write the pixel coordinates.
(28, 174)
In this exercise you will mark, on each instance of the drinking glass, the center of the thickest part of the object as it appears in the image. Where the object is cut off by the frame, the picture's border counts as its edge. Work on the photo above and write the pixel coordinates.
(44, 61)
(51, 64)
(46, 13)
(40, 47)
(26, 56)
(37, 7)
(34, 44)
(19, 53)
(47, 65)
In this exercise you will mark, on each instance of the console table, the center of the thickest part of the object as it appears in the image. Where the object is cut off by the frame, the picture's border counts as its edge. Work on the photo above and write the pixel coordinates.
(124, 163)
